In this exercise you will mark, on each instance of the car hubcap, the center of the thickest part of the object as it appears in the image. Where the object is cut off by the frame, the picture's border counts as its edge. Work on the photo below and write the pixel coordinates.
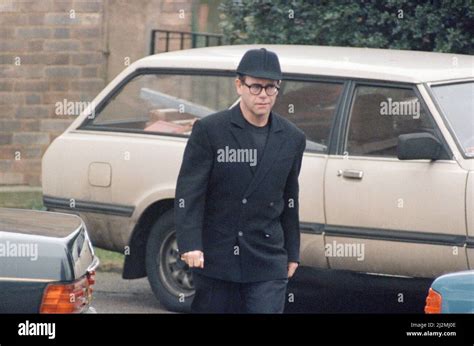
(175, 274)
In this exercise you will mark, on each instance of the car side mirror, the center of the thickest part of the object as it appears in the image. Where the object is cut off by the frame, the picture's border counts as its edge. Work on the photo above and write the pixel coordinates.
(419, 146)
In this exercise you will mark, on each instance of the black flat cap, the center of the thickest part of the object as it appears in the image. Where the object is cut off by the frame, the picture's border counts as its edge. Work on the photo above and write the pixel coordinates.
(260, 63)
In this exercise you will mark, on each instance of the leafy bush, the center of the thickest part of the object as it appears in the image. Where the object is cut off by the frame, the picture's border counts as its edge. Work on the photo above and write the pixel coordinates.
(442, 26)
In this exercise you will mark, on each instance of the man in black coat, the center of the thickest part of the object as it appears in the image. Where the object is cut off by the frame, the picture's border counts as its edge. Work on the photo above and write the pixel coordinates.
(236, 205)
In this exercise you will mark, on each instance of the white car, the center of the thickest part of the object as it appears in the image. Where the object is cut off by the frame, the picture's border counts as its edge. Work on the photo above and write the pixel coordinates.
(387, 182)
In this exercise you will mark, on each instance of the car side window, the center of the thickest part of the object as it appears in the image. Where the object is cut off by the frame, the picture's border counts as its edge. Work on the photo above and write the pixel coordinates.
(165, 103)
(311, 106)
(378, 115)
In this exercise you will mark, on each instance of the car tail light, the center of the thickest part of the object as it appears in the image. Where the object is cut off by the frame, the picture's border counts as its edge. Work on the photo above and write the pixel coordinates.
(68, 298)
(433, 302)
(91, 277)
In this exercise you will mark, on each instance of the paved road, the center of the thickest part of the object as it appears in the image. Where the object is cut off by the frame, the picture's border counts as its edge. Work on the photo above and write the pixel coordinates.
(112, 294)
(311, 291)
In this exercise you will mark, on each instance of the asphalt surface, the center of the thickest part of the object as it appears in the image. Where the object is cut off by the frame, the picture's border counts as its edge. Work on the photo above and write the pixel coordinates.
(112, 294)
(310, 291)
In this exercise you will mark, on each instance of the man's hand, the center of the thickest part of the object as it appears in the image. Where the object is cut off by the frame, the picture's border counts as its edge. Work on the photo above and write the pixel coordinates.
(292, 268)
(193, 259)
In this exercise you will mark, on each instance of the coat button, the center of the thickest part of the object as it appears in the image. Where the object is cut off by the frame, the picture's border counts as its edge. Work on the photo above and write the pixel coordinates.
(241, 233)
(267, 235)
(271, 204)
(244, 201)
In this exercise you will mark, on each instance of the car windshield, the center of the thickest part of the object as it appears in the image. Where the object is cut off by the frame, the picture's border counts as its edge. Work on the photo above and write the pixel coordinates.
(457, 104)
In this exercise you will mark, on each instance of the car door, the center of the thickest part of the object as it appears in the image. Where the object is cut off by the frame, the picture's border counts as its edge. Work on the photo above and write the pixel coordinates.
(385, 215)
(312, 104)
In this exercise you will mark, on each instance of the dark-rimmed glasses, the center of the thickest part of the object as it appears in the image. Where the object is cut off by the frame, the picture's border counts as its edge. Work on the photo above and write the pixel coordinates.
(256, 89)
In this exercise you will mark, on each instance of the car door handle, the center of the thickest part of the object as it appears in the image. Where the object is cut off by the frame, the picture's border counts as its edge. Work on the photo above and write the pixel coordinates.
(350, 173)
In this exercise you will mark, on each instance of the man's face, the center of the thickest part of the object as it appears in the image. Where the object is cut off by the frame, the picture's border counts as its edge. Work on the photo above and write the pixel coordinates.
(261, 104)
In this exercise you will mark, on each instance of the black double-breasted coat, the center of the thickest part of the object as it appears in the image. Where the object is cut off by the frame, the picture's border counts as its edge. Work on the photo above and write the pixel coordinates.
(245, 222)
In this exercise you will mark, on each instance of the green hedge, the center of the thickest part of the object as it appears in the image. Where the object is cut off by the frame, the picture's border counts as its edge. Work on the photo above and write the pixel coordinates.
(442, 26)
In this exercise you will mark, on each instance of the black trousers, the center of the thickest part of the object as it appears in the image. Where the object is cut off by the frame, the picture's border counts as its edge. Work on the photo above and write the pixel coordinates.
(218, 296)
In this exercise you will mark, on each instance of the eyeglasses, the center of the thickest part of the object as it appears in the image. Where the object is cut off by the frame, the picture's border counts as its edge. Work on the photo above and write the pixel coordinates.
(256, 89)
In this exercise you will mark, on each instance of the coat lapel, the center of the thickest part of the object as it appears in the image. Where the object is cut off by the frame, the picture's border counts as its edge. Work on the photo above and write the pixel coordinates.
(272, 149)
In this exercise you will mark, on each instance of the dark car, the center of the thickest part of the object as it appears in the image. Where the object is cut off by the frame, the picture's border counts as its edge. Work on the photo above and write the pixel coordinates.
(47, 263)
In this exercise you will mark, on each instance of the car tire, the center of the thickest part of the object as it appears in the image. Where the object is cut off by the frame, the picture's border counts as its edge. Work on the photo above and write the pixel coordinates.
(169, 277)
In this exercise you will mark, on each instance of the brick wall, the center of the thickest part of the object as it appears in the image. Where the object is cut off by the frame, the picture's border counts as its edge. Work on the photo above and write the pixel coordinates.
(51, 50)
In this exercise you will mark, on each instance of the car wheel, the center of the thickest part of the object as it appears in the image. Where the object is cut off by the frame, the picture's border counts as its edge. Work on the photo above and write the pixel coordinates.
(170, 278)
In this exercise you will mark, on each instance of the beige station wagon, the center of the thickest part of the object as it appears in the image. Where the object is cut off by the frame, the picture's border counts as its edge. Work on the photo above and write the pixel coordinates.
(387, 182)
